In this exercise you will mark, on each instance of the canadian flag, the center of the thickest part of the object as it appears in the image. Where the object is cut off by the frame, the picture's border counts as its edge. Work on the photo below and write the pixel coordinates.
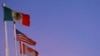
(27, 50)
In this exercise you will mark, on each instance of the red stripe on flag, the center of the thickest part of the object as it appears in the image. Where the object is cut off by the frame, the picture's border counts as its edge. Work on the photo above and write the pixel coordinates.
(21, 37)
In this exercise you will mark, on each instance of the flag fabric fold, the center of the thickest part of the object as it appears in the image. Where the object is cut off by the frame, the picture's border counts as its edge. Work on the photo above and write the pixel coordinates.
(22, 37)
(28, 51)
(11, 15)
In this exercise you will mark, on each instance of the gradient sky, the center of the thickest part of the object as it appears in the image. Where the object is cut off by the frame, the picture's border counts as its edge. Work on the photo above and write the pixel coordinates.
(60, 27)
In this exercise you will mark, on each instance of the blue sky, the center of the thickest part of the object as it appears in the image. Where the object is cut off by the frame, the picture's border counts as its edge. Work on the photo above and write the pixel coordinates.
(60, 27)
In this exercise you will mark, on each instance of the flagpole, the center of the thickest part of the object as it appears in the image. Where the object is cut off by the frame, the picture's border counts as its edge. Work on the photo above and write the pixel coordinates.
(6, 35)
(6, 40)
(21, 47)
(15, 39)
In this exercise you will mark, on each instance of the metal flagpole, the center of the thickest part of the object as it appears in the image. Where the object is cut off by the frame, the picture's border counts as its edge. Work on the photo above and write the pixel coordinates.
(6, 40)
(6, 35)
(15, 39)
(21, 46)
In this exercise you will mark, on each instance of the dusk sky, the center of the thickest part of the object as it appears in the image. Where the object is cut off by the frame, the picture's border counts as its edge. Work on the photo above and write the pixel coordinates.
(60, 27)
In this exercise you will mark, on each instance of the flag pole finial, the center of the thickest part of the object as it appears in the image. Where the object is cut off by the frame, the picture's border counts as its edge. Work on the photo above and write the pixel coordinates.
(4, 4)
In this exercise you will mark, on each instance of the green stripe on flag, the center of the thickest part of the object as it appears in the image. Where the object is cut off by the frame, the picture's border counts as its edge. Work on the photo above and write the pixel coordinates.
(7, 14)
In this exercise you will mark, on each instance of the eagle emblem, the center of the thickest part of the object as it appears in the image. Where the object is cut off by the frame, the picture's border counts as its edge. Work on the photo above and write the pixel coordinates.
(17, 16)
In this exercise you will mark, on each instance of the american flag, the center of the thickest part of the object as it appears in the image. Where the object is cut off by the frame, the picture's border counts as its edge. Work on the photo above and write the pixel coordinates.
(28, 51)
(22, 37)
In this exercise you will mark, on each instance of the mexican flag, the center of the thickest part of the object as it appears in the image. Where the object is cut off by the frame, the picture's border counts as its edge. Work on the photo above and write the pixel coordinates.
(11, 15)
